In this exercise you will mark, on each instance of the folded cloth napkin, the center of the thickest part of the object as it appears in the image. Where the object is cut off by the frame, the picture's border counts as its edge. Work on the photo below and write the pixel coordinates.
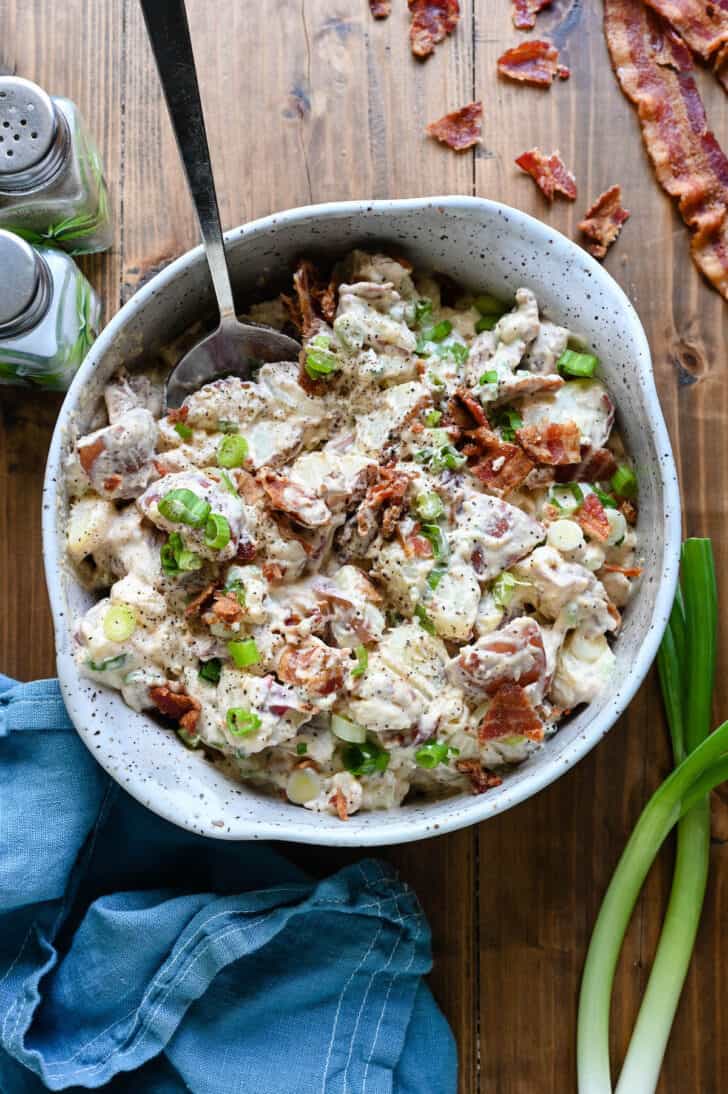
(139, 957)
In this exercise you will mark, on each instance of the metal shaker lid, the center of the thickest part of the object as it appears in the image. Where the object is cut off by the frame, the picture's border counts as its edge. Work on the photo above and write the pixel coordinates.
(24, 285)
(28, 125)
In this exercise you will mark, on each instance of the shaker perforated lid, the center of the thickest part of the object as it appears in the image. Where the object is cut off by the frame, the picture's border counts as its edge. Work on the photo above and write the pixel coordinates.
(27, 125)
(25, 288)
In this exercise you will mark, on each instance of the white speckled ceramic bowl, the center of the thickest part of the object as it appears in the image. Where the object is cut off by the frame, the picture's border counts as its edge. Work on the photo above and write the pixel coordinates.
(483, 245)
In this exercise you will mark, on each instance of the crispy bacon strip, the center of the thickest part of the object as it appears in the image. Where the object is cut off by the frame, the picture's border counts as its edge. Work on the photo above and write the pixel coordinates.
(603, 221)
(510, 712)
(460, 129)
(432, 21)
(534, 62)
(500, 466)
(481, 779)
(380, 9)
(655, 71)
(552, 444)
(178, 705)
(525, 12)
(593, 518)
(549, 173)
(703, 24)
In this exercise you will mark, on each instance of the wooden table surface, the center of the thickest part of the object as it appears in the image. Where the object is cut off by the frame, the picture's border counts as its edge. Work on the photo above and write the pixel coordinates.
(314, 101)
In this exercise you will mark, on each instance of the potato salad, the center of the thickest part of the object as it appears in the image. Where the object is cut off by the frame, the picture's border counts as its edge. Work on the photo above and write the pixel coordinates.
(389, 568)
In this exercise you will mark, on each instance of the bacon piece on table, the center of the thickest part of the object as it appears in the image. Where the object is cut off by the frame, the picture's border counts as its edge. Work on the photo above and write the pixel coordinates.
(525, 12)
(553, 443)
(460, 129)
(534, 62)
(703, 24)
(592, 517)
(432, 21)
(510, 712)
(380, 9)
(603, 221)
(655, 70)
(549, 173)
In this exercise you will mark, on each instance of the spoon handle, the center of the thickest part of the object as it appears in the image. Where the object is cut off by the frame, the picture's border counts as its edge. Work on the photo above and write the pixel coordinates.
(169, 34)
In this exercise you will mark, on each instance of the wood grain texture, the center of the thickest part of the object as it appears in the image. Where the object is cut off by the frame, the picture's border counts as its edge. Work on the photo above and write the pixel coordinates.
(311, 100)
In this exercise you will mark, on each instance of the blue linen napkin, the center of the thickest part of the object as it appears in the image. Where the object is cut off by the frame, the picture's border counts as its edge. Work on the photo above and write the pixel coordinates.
(139, 957)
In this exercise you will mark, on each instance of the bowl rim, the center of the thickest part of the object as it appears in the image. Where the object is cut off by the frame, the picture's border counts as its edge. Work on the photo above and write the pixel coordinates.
(474, 809)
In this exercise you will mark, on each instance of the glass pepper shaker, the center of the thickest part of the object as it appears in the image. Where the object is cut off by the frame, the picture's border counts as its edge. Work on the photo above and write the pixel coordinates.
(52, 187)
(48, 315)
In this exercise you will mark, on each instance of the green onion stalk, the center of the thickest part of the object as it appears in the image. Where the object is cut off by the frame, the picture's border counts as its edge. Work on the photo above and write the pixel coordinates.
(686, 664)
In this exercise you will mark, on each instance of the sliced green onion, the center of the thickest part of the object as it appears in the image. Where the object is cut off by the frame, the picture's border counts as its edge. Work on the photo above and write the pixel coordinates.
(436, 575)
(224, 426)
(210, 670)
(232, 451)
(241, 722)
(438, 540)
(624, 482)
(486, 322)
(217, 532)
(432, 418)
(301, 748)
(435, 380)
(508, 422)
(303, 785)
(236, 588)
(434, 753)
(365, 759)
(457, 350)
(109, 664)
(228, 484)
(490, 305)
(347, 730)
(489, 377)
(119, 623)
(184, 507)
(244, 652)
(176, 559)
(571, 363)
(503, 589)
(429, 506)
(189, 740)
(438, 333)
(183, 430)
(424, 619)
(321, 363)
(423, 310)
(577, 492)
(362, 661)
(607, 500)
(447, 458)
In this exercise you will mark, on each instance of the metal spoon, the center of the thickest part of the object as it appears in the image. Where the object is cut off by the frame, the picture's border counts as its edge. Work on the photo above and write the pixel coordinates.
(234, 348)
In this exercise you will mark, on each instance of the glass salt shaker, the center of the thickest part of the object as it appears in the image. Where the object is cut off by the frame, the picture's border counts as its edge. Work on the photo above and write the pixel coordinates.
(49, 315)
(52, 187)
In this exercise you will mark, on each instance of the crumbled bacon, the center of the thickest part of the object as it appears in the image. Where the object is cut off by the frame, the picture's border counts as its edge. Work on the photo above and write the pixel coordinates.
(113, 482)
(703, 24)
(89, 453)
(200, 601)
(459, 130)
(603, 221)
(272, 572)
(178, 705)
(525, 12)
(553, 444)
(720, 67)
(629, 511)
(384, 501)
(513, 654)
(598, 465)
(338, 800)
(510, 712)
(549, 173)
(227, 608)
(465, 411)
(481, 779)
(314, 299)
(413, 544)
(656, 72)
(432, 21)
(593, 518)
(534, 62)
(178, 414)
(317, 668)
(500, 466)
(628, 571)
